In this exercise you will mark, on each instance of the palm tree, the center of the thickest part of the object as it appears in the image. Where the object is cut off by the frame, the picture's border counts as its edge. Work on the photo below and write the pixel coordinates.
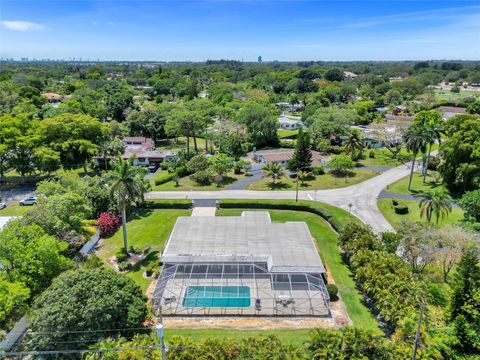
(274, 171)
(432, 120)
(353, 142)
(416, 139)
(127, 186)
(436, 202)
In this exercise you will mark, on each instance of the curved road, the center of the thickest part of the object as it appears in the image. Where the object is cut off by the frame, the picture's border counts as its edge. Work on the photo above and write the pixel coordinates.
(360, 199)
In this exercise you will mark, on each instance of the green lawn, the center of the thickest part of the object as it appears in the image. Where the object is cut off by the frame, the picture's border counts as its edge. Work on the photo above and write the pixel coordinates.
(383, 157)
(147, 228)
(186, 183)
(291, 337)
(327, 243)
(401, 186)
(326, 181)
(287, 134)
(385, 206)
(449, 96)
(181, 144)
(15, 210)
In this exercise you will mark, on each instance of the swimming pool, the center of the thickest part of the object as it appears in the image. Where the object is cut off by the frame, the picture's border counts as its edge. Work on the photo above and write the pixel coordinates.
(217, 296)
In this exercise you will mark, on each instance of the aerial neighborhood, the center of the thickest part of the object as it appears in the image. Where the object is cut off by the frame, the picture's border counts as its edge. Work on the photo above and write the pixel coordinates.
(236, 209)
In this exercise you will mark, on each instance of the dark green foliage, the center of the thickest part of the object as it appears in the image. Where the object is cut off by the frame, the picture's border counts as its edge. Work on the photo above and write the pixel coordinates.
(390, 241)
(332, 291)
(470, 203)
(124, 266)
(167, 204)
(318, 170)
(302, 156)
(121, 255)
(401, 209)
(85, 300)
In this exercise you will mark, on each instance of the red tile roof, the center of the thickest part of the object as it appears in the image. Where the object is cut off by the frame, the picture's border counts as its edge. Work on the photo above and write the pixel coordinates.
(452, 109)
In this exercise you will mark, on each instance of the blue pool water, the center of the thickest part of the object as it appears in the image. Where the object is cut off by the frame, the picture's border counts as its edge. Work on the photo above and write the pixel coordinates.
(217, 296)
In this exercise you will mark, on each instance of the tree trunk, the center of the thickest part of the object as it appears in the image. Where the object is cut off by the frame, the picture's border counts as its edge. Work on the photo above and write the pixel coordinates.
(428, 161)
(188, 145)
(411, 171)
(124, 227)
(85, 168)
(195, 143)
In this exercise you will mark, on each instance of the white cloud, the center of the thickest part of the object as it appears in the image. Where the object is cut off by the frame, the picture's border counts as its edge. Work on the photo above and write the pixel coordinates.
(17, 25)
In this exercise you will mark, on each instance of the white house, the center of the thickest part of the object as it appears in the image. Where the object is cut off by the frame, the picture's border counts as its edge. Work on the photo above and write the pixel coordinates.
(287, 123)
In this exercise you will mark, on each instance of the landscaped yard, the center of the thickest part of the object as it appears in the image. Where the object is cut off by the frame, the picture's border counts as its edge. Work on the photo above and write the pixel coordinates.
(15, 210)
(186, 183)
(326, 181)
(385, 206)
(383, 157)
(147, 228)
(328, 247)
(449, 96)
(433, 181)
(181, 144)
(287, 134)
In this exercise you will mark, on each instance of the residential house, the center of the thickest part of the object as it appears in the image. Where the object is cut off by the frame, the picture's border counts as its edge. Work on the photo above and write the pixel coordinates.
(282, 157)
(143, 149)
(450, 111)
(287, 123)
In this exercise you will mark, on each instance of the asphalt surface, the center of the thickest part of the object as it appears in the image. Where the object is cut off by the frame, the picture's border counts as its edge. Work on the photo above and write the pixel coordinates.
(360, 199)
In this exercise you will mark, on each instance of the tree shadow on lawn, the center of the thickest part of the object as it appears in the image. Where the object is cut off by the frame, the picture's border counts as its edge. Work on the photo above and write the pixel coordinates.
(139, 213)
(278, 185)
(151, 257)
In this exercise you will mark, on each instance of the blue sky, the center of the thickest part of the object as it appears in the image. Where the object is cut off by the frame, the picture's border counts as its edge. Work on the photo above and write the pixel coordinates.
(277, 30)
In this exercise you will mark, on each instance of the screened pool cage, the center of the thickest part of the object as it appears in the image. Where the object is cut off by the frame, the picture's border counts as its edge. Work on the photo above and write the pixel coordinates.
(236, 289)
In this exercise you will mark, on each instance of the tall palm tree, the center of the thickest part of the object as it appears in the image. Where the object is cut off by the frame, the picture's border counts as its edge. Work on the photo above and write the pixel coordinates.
(436, 202)
(416, 140)
(274, 171)
(353, 142)
(433, 121)
(127, 186)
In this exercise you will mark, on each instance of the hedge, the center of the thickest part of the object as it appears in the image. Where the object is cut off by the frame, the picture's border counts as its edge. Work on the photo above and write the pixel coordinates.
(164, 179)
(167, 204)
(307, 206)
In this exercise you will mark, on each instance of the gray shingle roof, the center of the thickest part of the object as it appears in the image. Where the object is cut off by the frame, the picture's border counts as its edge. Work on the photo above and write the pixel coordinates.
(251, 237)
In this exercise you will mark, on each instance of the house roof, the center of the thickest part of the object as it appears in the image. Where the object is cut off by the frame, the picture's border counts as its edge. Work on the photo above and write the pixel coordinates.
(251, 237)
(390, 117)
(52, 96)
(137, 139)
(286, 155)
(452, 109)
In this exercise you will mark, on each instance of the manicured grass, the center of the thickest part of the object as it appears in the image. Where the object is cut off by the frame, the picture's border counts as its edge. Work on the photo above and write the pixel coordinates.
(326, 181)
(15, 210)
(146, 228)
(181, 144)
(383, 157)
(385, 207)
(401, 186)
(449, 96)
(291, 337)
(327, 243)
(187, 183)
(287, 134)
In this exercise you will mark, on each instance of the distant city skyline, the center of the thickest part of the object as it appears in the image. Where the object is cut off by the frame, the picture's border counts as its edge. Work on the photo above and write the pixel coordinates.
(240, 30)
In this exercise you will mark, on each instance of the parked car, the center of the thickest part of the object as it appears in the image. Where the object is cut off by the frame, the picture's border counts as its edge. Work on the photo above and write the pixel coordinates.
(153, 167)
(31, 200)
(2, 205)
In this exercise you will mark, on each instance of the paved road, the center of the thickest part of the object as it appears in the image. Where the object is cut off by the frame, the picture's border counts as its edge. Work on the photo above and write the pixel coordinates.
(360, 198)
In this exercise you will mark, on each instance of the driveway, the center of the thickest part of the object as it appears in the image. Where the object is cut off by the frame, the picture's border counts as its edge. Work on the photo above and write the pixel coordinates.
(360, 199)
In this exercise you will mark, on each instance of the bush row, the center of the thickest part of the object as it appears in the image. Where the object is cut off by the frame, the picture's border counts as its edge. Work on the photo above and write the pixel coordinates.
(167, 204)
(308, 206)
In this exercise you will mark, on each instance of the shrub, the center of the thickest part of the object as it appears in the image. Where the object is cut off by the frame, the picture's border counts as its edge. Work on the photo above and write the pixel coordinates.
(318, 170)
(85, 302)
(394, 202)
(371, 154)
(401, 209)
(153, 268)
(164, 179)
(124, 266)
(332, 291)
(182, 171)
(202, 177)
(108, 223)
(134, 250)
(121, 255)
(167, 204)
